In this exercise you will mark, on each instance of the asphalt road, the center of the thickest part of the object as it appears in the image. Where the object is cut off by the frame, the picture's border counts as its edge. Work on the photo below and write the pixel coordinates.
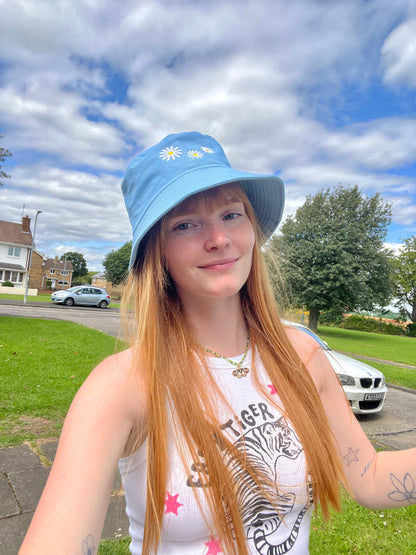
(393, 428)
(106, 320)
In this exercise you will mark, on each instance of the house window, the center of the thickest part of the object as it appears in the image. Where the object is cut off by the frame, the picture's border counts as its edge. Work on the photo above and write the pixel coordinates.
(14, 251)
(14, 277)
(52, 270)
(64, 272)
(61, 282)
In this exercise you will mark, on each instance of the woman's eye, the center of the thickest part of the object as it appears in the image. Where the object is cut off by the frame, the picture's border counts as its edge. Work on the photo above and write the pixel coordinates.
(183, 226)
(232, 216)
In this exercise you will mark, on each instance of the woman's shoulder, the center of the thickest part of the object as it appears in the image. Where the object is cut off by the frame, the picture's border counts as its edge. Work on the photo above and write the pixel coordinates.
(311, 354)
(303, 343)
(117, 382)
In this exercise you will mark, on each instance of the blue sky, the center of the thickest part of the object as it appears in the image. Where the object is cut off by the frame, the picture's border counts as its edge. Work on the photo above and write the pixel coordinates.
(319, 92)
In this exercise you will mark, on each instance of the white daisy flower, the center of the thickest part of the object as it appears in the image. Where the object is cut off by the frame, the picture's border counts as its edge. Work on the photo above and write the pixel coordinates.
(170, 153)
(207, 149)
(195, 154)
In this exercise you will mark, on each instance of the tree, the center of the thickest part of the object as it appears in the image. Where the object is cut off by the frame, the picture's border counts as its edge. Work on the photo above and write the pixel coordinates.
(116, 263)
(79, 265)
(332, 252)
(405, 279)
(4, 153)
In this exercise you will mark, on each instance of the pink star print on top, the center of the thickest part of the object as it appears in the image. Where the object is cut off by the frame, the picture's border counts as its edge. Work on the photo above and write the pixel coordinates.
(213, 547)
(172, 504)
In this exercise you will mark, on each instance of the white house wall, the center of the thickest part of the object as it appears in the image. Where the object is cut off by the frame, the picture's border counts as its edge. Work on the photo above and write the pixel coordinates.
(20, 260)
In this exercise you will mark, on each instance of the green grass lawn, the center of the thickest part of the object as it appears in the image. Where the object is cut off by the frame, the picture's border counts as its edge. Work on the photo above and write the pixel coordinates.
(31, 298)
(42, 365)
(387, 347)
(360, 530)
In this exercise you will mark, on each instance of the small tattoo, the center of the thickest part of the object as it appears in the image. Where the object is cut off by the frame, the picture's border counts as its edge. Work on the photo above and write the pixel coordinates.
(367, 466)
(404, 491)
(88, 546)
(351, 456)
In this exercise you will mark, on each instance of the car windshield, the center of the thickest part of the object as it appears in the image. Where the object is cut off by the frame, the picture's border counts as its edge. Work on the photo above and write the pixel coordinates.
(72, 288)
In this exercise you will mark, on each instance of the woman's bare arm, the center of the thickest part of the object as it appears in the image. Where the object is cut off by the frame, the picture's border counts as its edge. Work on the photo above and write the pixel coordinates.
(72, 509)
(376, 479)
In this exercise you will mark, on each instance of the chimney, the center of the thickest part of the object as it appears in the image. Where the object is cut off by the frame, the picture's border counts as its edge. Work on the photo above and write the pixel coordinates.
(26, 224)
(56, 259)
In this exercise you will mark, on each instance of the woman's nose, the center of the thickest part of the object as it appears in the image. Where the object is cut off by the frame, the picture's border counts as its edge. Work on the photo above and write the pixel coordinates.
(217, 238)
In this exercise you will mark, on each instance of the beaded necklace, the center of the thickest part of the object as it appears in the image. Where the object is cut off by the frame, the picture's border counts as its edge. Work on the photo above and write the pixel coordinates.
(240, 371)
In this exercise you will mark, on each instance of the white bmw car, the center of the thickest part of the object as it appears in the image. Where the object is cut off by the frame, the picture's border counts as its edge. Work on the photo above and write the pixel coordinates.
(364, 386)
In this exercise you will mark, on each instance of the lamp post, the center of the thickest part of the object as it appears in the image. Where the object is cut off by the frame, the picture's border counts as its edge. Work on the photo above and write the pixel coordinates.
(30, 256)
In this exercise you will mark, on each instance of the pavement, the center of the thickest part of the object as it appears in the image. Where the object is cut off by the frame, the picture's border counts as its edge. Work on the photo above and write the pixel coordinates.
(23, 474)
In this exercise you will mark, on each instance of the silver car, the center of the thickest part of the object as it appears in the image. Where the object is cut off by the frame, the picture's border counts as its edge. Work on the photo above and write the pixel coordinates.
(364, 386)
(82, 295)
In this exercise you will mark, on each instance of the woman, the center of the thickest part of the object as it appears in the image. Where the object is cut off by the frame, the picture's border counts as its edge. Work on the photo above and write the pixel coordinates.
(229, 426)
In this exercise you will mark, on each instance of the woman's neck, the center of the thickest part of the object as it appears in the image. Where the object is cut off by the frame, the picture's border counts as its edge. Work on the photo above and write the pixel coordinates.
(220, 326)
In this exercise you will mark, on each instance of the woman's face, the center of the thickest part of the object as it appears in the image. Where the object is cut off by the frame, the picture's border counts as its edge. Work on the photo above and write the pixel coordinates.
(208, 245)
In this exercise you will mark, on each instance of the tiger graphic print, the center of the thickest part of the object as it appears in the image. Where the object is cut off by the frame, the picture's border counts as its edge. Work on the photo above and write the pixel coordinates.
(269, 447)
(264, 446)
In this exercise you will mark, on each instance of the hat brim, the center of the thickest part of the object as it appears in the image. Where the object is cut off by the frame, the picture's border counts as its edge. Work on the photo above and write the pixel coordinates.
(266, 194)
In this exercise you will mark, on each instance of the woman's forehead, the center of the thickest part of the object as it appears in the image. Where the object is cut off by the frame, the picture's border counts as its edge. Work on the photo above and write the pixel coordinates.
(211, 198)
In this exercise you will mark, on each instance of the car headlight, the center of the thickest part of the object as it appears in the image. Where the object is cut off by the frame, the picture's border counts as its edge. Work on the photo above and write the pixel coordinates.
(346, 380)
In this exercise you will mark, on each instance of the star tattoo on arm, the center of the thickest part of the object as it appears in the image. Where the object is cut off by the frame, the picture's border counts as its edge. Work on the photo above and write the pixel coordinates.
(351, 456)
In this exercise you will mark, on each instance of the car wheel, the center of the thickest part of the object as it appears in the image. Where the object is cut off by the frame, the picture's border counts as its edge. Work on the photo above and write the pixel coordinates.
(102, 304)
(69, 301)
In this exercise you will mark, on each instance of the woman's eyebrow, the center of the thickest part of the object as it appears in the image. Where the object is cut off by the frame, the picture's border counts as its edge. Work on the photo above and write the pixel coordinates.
(180, 211)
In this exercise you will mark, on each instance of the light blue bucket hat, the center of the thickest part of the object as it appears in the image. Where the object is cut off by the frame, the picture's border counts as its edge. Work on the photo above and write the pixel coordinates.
(181, 165)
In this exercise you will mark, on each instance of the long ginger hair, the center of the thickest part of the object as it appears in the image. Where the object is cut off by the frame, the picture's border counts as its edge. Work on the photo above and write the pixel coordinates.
(176, 379)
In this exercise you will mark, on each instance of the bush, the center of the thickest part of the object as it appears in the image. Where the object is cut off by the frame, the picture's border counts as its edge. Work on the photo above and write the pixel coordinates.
(8, 284)
(372, 325)
(330, 318)
(411, 329)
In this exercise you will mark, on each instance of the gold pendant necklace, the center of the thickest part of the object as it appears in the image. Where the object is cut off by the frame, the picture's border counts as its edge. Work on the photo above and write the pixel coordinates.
(240, 371)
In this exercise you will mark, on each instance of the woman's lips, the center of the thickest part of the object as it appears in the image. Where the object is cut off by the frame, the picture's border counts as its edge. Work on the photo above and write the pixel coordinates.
(220, 264)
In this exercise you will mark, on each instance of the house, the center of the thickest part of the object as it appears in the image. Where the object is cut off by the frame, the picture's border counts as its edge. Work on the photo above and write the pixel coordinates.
(100, 280)
(15, 245)
(57, 274)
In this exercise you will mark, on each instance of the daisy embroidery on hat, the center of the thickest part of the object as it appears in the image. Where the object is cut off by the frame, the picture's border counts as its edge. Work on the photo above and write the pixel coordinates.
(170, 153)
(207, 149)
(195, 154)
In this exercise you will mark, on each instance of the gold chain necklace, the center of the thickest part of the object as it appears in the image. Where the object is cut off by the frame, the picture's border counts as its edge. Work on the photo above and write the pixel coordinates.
(240, 371)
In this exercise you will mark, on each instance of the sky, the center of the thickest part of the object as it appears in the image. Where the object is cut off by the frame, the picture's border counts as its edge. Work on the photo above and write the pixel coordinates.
(318, 92)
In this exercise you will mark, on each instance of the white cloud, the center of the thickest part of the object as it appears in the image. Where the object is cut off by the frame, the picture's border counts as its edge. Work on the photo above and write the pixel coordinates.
(399, 55)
